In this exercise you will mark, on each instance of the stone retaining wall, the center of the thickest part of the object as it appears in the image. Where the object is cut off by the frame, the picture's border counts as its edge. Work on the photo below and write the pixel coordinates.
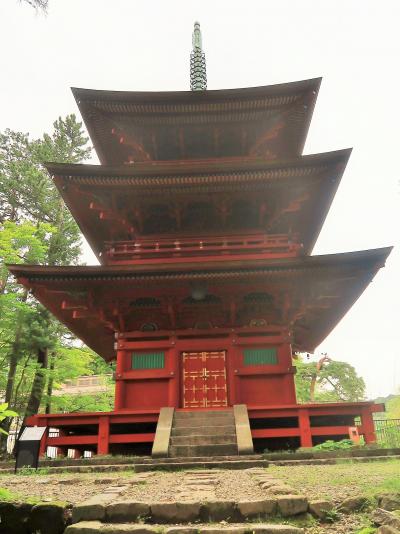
(25, 518)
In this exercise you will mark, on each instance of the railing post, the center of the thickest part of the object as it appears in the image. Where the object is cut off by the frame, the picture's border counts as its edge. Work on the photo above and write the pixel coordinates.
(43, 444)
(368, 426)
(119, 381)
(305, 428)
(103, 435)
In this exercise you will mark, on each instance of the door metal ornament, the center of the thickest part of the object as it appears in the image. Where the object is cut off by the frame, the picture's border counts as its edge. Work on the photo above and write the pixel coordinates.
(204, 379)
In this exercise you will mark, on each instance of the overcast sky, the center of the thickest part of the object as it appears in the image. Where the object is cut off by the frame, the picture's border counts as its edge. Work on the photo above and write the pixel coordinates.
(144, 45)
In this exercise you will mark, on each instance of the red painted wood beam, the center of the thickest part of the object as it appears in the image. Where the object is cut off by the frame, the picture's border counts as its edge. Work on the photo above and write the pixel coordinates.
(264, 372)
(330, 430)
(132, 438)
(274, 432)
(71, 440)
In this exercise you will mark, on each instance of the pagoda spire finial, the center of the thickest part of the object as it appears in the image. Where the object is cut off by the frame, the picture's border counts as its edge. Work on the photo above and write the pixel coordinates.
(198, 73)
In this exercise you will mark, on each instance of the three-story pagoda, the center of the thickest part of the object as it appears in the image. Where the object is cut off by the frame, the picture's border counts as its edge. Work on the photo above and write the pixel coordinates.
(203, 215)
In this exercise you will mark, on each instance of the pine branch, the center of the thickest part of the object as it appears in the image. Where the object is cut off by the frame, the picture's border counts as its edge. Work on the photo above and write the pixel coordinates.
(39, 5)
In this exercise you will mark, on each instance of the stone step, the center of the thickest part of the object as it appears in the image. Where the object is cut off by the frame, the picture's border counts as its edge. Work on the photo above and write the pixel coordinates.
(199, 459)
(190, 464)
(161, 464)
(203, 450)
(205, 430)
(94, 527)
(203, 421)
(202, 415)
(201, 439)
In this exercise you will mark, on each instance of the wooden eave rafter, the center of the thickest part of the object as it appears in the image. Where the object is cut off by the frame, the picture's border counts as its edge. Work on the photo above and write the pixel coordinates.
(100, 108)
(142, 174)
(225, 178)
(350, 273)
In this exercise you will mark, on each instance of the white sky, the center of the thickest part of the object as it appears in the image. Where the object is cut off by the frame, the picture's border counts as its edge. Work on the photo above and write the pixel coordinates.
(138, 45)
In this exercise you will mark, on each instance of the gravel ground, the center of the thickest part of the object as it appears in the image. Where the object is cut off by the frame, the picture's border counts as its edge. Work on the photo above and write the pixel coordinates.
(334, 482)
(54, 487)
(159, 486)
(229, 485)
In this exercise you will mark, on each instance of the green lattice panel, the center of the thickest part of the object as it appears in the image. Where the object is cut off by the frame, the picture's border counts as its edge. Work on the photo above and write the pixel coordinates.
(148, 360)
(260, 356)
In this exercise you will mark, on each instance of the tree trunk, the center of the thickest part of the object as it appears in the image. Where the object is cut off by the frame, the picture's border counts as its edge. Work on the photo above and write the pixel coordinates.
(12, 371)
(320, 364)
(312, 387)
(38, 384)
(50, 382)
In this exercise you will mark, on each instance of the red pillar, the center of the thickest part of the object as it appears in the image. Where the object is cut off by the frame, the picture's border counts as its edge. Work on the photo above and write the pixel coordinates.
(62, 450)
(305, 428)
(173, 365)
(119, 382)
(232, 364)
(368, 426)
(77, 454)
(43, 444)
(104, 435)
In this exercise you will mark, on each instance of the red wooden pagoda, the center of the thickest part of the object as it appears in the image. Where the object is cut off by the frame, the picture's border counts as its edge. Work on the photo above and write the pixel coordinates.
(203, 215)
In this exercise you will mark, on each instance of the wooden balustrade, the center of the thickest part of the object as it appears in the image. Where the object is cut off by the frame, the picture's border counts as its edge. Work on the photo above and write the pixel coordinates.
(268, 246)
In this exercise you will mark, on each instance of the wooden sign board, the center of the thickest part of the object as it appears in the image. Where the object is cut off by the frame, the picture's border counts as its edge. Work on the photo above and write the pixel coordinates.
(28, 447)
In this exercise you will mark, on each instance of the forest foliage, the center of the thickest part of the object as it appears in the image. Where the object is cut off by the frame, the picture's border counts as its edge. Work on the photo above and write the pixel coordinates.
(327, 380)
(37, 353)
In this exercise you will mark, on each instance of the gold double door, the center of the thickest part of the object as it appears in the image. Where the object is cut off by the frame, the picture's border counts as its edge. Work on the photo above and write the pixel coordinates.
(204, 379)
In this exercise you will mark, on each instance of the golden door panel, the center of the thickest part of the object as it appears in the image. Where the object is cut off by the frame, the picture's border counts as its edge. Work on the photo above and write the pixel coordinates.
(204, 379)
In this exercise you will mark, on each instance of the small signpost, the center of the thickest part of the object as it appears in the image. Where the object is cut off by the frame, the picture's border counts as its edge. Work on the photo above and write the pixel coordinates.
(28, 447)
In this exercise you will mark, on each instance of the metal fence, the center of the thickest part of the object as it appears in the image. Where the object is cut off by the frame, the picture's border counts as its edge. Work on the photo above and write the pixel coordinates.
(388, 432)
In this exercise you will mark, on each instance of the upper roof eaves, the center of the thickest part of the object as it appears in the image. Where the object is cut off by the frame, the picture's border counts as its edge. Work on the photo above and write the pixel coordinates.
(135, 126)
(195, 98)
(163, 169)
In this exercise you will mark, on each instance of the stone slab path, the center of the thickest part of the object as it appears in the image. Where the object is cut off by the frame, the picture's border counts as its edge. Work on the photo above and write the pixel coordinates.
(95, 527)
(191, 497)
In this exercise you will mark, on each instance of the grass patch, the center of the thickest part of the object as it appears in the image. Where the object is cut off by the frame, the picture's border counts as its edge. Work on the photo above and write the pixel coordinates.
(305, 520)
(391, 485)
(24, 471)
(10, 496)
(339, 481)
(128, 472)
(7, 495)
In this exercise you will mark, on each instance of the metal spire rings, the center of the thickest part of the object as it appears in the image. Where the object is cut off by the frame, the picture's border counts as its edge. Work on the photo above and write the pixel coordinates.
(198, 73)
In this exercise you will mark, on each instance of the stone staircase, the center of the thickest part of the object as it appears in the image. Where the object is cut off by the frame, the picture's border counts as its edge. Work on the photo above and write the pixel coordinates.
(191, 504)
(203, 433)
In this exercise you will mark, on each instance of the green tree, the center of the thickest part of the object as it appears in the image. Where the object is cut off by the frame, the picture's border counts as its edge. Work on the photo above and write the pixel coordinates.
(36, 227)
(39, 5)
(393, 408)
(327, 381)
(19, 243)
(99, 402)
(4, 414)
(69, 362)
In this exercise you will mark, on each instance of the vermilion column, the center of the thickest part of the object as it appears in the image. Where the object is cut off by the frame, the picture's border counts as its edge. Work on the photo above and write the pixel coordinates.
(104, 435)
(368, 426)
(305, 428)
(232, 363)
(43, 444)
(119, 383)
(173, 366)
(62, 450)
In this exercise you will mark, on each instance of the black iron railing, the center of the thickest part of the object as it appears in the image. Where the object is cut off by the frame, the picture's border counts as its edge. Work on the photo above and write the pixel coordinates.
(388, 432)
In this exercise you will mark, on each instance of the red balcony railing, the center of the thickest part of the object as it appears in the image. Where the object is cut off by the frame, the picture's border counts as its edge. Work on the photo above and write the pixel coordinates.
(276, 246)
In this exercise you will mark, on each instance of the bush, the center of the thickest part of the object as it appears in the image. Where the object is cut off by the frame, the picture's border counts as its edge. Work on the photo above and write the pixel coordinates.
(331, 445)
